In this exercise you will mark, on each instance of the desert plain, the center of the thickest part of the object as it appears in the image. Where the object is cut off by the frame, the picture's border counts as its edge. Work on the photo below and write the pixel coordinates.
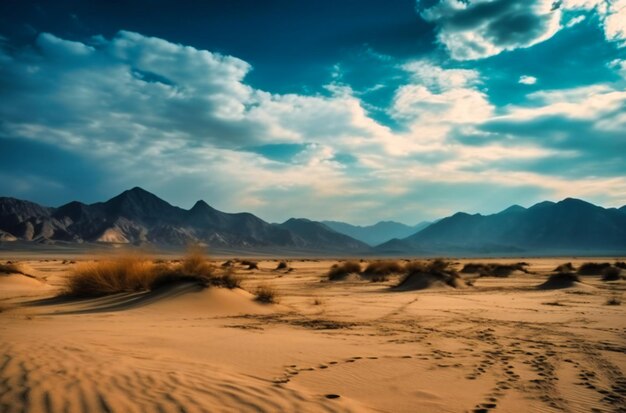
(503, 344)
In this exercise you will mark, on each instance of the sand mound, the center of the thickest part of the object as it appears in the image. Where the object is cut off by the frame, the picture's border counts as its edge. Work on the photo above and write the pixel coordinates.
(15, 282)
(562, 280)
(181, 298)
(424, 280)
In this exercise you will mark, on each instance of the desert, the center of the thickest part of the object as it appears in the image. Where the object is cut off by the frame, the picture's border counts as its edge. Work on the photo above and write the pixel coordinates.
(504, 342)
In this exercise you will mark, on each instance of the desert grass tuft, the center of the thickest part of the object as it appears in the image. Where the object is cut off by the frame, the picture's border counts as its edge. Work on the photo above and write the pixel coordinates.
(383, 268)
(10, 268)
(266, 294)
(493, 269)
(593, 268)
(614, 301)
(124, 273)
(567, 267)
(134, 272)
(429, 271)
(611, 274)
(282, 265)
(342, 270)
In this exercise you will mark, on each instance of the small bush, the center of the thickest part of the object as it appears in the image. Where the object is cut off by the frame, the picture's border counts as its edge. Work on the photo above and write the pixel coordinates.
(252, 265)
(120, 274)
(317, 301)
(379, 278)
(493, 270)
(383, 268)
(611, 274)
(421, 275)
(567, 267)
(282, 265)
(593, 268)
(10, 268)
(614, 301)
(340, 271)
(266, 294)
(132, 272)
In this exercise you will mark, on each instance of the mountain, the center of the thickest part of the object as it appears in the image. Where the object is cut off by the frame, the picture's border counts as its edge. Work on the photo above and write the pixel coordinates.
(571, 225)
(138, 217)
(622, 209)
(321, 235)
(378, 233)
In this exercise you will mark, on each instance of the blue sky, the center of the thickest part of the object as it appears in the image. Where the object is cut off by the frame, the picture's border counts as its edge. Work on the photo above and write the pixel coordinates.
(354, 110)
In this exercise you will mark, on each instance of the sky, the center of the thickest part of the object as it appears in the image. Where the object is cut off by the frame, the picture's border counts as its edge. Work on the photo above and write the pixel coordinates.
(348, 110)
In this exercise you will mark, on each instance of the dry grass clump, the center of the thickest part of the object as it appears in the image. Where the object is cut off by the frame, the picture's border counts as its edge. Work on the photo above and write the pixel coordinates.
(10, 268)
(282, 265)
(494, 270)
(134, 272)
(611, 274)
(560, 280)
(614, 301)
(383, 268)
(341, 271)
(420, 275)
(125, 273)
(567, 267)
(266, 294)
(620, 264)
(593, 268)
(252, 265)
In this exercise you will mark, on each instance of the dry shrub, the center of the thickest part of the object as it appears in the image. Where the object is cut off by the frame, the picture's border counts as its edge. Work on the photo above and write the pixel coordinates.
(620, 264)
(383, 268)
(317, 301)
(611, 274)
(593, 268)
(252, 265)
(10, 268)
(342, 270)
(421, 274)
(567, 267)
(124, 273)
(282, 265)
(560, 280)
(614, 301)
(134, 272)
(494, 269)
(266, 294)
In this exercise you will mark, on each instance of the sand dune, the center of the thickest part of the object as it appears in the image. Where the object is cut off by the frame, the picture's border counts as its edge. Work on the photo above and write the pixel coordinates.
(502, 345)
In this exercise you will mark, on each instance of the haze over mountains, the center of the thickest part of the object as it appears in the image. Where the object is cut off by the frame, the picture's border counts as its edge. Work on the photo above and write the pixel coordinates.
(139, 217)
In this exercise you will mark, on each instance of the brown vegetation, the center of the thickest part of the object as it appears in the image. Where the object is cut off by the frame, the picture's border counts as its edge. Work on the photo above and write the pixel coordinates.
(494, 270)
(133, 272)
(341, 271)
(421, 275)
(611, 274)
(383, 268)
(10, 268)
(266, 294)
(593, 268)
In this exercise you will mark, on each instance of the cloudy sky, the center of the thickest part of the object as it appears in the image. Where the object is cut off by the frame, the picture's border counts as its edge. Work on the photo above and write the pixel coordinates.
(349, 110)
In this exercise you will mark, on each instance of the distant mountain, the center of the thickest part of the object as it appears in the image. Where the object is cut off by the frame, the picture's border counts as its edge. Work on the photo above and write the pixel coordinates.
(378, 233)
(622, 209)
(570, 225)
(138, 217)
(320, 235)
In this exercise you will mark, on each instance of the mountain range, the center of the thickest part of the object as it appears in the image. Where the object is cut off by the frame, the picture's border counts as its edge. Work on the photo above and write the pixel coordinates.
(378, 233)
(139, 217)
(571, 226)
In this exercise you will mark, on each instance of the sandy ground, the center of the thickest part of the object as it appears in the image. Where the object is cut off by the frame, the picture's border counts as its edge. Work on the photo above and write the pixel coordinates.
(502, 345)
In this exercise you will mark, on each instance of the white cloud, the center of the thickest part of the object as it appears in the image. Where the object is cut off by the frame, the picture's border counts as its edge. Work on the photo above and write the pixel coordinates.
(483, 28)
(527, 80)
(148, 110)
